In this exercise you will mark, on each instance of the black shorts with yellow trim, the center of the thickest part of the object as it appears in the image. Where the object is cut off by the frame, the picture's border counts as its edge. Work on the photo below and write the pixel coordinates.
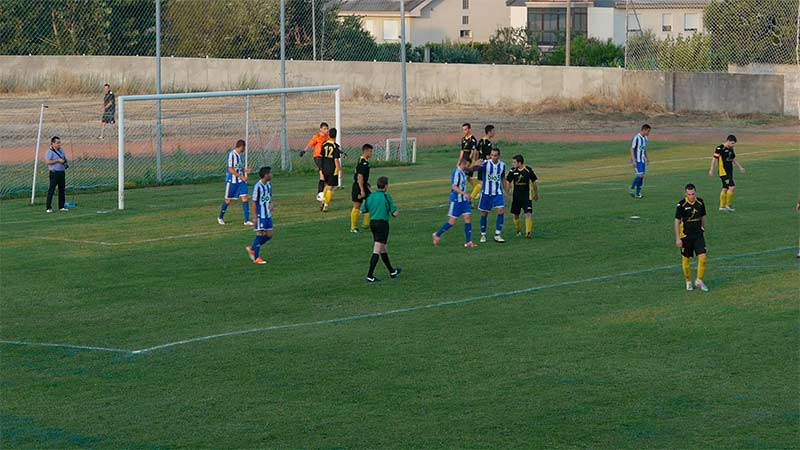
(693, 245)
(329, 177)
(380, 230)
(521, 204)
(727, 181)
(356, 193)
(318, 162)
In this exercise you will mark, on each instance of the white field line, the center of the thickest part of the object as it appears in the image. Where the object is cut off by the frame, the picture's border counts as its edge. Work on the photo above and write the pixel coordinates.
(379, 314)
(704, 158)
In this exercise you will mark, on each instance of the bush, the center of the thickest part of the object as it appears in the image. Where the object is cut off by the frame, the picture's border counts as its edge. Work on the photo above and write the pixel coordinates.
(511, 46)
(587, 52)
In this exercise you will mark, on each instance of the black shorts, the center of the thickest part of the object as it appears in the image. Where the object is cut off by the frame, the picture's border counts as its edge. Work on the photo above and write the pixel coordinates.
(357, 192)
(330, 178)
(524, 205)
(727, 181)
(693, 245)
(108, 117)
(380, 230)
(318, 162)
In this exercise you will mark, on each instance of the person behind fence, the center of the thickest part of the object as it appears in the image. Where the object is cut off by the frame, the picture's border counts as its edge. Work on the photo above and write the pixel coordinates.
(109, 109)
(379, 205)
(57, 166)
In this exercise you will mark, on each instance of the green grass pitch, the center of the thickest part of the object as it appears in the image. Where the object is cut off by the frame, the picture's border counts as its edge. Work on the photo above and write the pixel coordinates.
(583, 337)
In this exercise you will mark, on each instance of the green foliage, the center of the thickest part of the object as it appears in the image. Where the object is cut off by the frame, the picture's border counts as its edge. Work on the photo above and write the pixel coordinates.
(587, 52)
(511, 46)
(683, 54)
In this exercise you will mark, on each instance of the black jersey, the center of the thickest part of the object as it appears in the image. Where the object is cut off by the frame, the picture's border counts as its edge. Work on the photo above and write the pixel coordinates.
(468, 144)
(724, 157)
(691, 217)
(330, 153)
(362, 168)
(522, 180)
(484, 148)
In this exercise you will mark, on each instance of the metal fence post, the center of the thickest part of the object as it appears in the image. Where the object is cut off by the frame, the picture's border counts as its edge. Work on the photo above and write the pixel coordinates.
(404, 92)
(158, 91)
(285, 161)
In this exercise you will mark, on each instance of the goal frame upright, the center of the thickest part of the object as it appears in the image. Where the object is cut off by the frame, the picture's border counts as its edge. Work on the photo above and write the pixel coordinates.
(121, 101)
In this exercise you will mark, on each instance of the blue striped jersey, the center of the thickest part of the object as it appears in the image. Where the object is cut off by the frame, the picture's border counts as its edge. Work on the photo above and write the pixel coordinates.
(262, 196)
(493, 176)
(459, 179)
(235, 161)
(639, 146)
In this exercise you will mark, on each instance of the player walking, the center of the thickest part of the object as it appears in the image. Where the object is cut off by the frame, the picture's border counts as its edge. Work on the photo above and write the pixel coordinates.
(459, 205)
(361, 187)
(469, 151)
(484, 151)
(492, 194)
(316, 144)
(331, 166)
(524, 190)
(236, 184)
(379, 207)
(262, 201)
(724, 158)
(639, 160)
(690, 221)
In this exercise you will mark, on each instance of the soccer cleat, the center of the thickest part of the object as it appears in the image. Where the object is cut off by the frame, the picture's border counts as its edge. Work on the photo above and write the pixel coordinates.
(499, 239)
(730, 209)
(470, 245)
(259, 261)
(251, 253)
(63, 210)
(519, 233)
(689, 286)
(49, 211)
(220, 221)
(396, 272)
(528, 236)
(248, 223)
(483, 237)
(700, 285)
(324, 208)
(639, 196)
(632, 191)
(723, 209)
(355, 231)
(373, 280)
(435, 240)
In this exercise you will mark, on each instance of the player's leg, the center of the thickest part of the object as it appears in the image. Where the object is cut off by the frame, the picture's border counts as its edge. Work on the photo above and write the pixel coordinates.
(729, 197)
(640, 184)
(449, 223)
(476, 191)
(515, 210)
(529, 223)
(328, 196)
(700, 249)
(723, 197)
(354, 213)
(484, 224)
(62, 189)
(498, 227)
(468, 228)
(365, 216)
(225, 202)
(245, 205)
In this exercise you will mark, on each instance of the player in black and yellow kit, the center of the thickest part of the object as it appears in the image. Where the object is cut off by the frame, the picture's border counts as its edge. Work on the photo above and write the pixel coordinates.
(690, 222)
(360, 188)
(524, 190)
(469, 151)
(724, 159)
(331, 166)
(484, 151)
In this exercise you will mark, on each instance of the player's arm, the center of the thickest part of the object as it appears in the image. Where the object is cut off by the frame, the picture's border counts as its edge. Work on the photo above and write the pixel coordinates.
(678, 241)
(736, 162)
(392, 207)
(535, 190)
(361, 186)
(713, 164)
(309, 146)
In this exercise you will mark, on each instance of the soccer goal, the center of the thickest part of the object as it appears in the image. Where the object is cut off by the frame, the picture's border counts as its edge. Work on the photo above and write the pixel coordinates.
(394, 149)
(187, 141)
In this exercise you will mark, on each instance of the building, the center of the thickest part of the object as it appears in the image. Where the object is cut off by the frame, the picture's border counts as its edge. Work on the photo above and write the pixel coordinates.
(664, 18)
(430, 20)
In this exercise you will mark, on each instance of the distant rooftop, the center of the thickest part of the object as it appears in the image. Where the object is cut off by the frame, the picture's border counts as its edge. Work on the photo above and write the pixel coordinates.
(378, 5)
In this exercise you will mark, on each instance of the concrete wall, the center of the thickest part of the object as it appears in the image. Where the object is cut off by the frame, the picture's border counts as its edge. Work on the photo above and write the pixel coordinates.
(458, 83)
(791, 82)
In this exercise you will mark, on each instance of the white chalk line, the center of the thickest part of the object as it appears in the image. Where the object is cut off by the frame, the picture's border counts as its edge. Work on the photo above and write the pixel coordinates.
(382, 313)
(661, 161)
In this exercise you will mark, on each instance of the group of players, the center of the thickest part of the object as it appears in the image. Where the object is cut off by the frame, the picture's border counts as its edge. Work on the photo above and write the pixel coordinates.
(493, 183)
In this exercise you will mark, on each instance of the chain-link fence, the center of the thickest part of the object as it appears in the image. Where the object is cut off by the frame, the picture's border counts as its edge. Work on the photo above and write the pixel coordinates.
(709, 35)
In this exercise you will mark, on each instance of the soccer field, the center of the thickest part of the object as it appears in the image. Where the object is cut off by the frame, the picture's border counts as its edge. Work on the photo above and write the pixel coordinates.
(583, 337)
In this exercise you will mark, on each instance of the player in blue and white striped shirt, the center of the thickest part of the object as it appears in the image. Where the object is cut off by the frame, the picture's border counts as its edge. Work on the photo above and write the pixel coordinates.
(235, 183)
(262, 201)
(639, 159)
(459, 204)
(493, 175)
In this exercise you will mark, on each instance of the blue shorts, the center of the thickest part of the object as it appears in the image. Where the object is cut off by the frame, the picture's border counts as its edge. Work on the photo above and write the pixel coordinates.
(263, 223)
(458, 209)
(640, 168)
(489, 202)
(235, 190)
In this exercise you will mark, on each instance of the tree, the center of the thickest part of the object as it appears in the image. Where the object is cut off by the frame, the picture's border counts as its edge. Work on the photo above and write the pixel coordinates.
(511, 46)
(587, 52)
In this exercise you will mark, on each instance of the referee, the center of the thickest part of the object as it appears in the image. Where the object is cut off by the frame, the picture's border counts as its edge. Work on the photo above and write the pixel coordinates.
(56, 165)
(380, 206)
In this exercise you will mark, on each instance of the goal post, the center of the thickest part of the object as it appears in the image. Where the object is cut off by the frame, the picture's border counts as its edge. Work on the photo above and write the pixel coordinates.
(122, 101)
(410, 140)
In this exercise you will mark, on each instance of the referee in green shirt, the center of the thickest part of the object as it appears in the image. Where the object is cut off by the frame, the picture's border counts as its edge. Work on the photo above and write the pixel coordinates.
(380, 206)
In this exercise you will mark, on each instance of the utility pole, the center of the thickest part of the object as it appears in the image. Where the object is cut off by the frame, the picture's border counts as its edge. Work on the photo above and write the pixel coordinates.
(569, 33)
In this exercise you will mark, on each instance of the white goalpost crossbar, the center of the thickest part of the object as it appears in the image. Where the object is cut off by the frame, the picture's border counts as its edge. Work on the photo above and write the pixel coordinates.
(195, 95)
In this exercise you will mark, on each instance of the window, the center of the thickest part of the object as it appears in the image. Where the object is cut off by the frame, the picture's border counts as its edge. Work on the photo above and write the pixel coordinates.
(391, 30)
(464, 4)
(548, 25)
(464, 20)
(466, 34)
(633, 23)
(369, 26)
(690, 22)
(666, 22)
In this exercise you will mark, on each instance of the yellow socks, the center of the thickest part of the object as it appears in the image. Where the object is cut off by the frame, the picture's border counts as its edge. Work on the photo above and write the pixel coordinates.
(528, 226)
(517, 225)
(354, 219)
(328, 196)
(476, 191)
(729, 199)
(723, 200)
(687, 269)
(366, 220)
(701, 268)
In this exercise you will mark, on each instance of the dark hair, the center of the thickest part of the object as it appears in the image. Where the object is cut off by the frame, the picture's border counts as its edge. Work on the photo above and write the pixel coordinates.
(264, 171)
(366, 147)
(241, 144)
(488, 129)
(383, 182)
(495, 149)
(54, 139)
(731, 138)
(107, 85)
(689, 187)
(332, 133)
(519, 159)
(645, 127)
(466, 124)
(323, 124)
